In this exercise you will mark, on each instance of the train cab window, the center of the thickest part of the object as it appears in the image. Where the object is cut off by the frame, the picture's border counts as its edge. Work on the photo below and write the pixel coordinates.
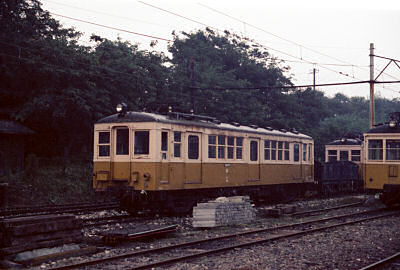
(177, 143)
(273, 150)
(141, 143)
(193, 147)
(304, 152)
(375, 150)
(212, 146)
(267, 150)
(104, 144)
(355, 155)
(280, 150)
(221, 146)
(164, 144)
(344, 155)
(239, 148)
(253, 150)
(122, 141)
(231, 146)
(392, 149)
(332, 155)
(296, 152)
(287, 152)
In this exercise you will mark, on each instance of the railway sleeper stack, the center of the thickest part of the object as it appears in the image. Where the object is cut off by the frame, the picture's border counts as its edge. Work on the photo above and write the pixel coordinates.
(224, 211)
(28, 233)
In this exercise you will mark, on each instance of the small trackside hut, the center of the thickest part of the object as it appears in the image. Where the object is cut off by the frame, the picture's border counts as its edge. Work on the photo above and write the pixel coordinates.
(170, 162)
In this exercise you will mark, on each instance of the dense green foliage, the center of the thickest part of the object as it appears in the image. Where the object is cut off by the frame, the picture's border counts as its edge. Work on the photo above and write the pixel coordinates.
(59, 88)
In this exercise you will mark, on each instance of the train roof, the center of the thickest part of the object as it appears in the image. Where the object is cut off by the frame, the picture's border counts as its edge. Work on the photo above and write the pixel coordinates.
(346, 141)
(385, 128)
(196, 120)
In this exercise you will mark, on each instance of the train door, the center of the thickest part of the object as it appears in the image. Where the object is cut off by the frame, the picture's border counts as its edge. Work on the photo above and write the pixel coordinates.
(254, 162)
(297, 159)
(165, 157)
(120, 156)
(193, 158)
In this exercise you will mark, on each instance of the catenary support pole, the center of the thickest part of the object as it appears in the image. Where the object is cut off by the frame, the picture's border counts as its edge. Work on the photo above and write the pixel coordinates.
(371, 86)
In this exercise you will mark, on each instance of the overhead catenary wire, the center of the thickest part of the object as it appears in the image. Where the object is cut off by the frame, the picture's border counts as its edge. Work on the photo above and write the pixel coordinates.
(111, 27)
(322, 65)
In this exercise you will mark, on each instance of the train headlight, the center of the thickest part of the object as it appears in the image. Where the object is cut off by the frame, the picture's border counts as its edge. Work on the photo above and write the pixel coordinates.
(392, 124)
(122, 108)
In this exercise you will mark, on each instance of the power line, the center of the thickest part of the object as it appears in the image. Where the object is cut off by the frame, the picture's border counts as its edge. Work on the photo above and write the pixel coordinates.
(292, 86)
(287, 40)
(110, 27)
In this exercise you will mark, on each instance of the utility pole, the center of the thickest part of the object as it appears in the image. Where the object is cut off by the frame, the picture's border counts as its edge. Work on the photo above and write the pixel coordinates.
(371, 86)
(314, 71)
(191, 84)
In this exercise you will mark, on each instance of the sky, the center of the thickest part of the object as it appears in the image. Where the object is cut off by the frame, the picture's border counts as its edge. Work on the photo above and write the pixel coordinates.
(332, 37)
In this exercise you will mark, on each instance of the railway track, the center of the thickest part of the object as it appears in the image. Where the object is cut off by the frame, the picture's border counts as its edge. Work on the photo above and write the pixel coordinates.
(166, 255)
(57, 209)
(386, 262)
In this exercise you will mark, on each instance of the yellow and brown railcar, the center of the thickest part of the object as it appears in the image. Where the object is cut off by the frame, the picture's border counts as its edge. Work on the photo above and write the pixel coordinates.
(172, 161)
(382, 163)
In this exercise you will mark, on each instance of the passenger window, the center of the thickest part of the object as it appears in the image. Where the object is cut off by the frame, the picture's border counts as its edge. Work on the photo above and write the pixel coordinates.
(212, 146)
(231, 145)
(393, 150)
(253, 150)
(141, 143)
(104, 144)
(273, 150)
(280, 150)
(239, 148)
(267, 150)
(193, 147)
(122, 141)
(304, 152)
(177, 143)
(221, 146)
(287, 152)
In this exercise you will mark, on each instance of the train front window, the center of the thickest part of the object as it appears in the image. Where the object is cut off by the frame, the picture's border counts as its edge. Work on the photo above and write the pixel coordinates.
(104, 144)
(355, 155)
(141, 142)
(332, 155)
(375, 150)
(122, 141)
(344, 155)
(393, 150)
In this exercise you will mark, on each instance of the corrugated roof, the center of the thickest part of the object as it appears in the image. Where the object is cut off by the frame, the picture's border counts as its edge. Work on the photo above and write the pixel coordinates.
(12, 127)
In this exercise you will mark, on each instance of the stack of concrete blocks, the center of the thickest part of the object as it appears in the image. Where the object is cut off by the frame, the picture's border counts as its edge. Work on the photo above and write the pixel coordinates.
(224, 211)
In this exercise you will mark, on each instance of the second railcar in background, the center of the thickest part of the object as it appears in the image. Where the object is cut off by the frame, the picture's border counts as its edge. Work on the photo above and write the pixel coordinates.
(382, 163)
(343, 170)
(170, 162)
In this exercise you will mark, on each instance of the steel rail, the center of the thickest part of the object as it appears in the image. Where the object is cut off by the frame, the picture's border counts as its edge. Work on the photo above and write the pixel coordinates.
(234, 235)
(67, 208)
(326, 209)
(381, 262)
